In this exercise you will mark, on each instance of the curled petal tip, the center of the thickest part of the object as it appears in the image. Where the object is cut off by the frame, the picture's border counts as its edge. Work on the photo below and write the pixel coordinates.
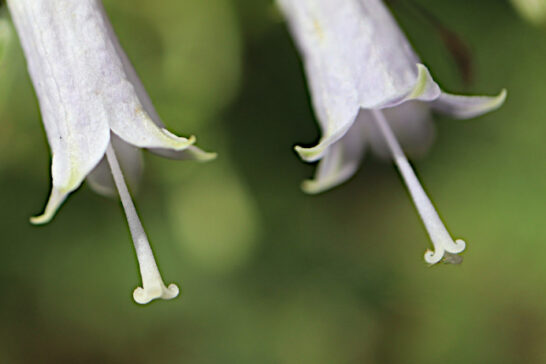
(56, 199)
(423, 80)
(491, 103)
(310, 154)
(466, 107)
(311, 187)
(41, 219)
(147, 294)
(325, 182)
(190, 153)
(191, 140)
(319, 185)
(178, 143)
(499, 100)
(207, 156)
(329, 138)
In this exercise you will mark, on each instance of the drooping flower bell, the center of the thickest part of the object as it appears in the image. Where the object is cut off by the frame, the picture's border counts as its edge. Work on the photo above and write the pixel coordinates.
(93, 107)
(365, 80)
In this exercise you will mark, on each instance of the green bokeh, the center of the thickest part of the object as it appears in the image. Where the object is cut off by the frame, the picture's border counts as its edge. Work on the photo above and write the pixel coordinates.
(268, 274)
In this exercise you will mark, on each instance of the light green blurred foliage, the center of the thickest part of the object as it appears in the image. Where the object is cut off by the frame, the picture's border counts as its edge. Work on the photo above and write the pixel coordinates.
(6, 36)
(267, 274)
(215, 219)
(532, 10)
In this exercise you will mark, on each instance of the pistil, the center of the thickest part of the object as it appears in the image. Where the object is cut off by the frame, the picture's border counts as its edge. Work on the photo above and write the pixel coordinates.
(152, 283)
(444, 245)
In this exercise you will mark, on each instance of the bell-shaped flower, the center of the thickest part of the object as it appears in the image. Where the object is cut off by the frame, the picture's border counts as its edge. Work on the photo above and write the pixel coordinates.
(93, 107)
(366, 80)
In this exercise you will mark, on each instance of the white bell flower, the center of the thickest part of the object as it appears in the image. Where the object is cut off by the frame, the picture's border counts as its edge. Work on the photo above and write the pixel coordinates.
(364, 78)
(90, 99)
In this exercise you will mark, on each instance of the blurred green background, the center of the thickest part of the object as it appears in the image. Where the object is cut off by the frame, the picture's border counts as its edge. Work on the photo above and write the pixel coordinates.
(268, 274)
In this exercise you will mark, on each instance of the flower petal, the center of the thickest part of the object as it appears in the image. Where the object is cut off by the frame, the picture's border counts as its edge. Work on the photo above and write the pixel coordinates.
(330, 136)
(355, 57)
(56, 198)
(424, 88)
(71, 162)
(75, 119)
(130, 160)
(466, 107)
(341, 160)
(134, 125)
(137, 121)
(190, 153)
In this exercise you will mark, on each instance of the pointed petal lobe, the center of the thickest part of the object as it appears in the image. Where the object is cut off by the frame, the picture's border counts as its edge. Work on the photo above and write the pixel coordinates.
(56, 198)
(332, 135)
(466, 107)
(190, 153)
(341, 160)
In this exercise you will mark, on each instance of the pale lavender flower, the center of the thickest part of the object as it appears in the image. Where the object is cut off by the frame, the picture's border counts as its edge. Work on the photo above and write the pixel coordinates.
(93, 107)
(364, 79)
